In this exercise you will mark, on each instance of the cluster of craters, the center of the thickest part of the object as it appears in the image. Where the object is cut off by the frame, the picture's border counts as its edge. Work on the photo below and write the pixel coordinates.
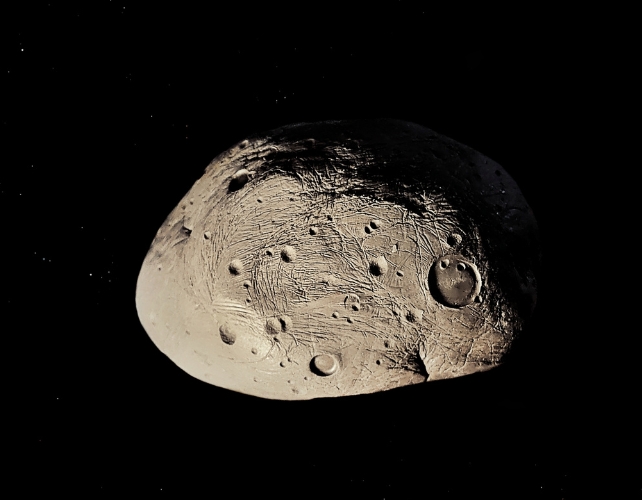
(338, 256)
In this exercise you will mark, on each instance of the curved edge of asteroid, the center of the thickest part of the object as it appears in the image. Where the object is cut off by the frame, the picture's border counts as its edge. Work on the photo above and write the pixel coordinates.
(340, 258)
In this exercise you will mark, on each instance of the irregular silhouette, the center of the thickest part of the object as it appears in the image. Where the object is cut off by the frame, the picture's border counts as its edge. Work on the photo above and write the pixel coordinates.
(338, 258)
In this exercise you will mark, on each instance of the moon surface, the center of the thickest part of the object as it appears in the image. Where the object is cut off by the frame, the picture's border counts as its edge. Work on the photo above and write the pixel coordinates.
(340, 258)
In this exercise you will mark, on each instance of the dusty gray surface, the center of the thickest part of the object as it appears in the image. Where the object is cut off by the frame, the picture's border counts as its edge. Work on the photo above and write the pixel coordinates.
(341, 258)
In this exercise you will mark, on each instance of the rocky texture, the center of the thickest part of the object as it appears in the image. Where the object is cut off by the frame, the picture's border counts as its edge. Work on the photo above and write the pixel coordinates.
(340, 258)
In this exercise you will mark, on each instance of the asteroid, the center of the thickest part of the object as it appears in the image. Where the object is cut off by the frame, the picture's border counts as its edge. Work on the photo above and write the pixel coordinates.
(342, 258)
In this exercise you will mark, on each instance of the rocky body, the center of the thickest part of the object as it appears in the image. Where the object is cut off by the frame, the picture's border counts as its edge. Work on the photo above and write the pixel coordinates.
(341, 258)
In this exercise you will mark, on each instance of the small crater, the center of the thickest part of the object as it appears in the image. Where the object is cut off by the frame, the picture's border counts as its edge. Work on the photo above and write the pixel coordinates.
(244, 144)
(367, 229)
(356, 307)
(247, 284)
(269, 252)
(400, 273)
(227, 335)
(453, 240)
(479, 299)
(254, 350)
(375, 223)
(207, 235)
(282, 364)
(288, 254)
(309, 143)
(351, 299)
(314, 230)
(444, 263)
(239, 179)
(324, 365)
(186, 230)
(378, 266)
(248, 300)
(350, 320)
(273, 326)
(335, 314)
(378, 361)
(259, 200)
(286, 323)
(461, 266)
(235, 267)
(330, 218)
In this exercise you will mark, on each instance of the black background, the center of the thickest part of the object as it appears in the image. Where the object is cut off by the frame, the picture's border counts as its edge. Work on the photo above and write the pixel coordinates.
(111, 111)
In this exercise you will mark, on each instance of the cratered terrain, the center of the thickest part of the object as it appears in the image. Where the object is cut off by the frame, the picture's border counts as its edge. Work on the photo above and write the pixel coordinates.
(340, 258)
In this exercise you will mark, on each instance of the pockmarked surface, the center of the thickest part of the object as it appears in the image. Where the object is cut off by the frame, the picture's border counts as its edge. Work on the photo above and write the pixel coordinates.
(341, 258)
